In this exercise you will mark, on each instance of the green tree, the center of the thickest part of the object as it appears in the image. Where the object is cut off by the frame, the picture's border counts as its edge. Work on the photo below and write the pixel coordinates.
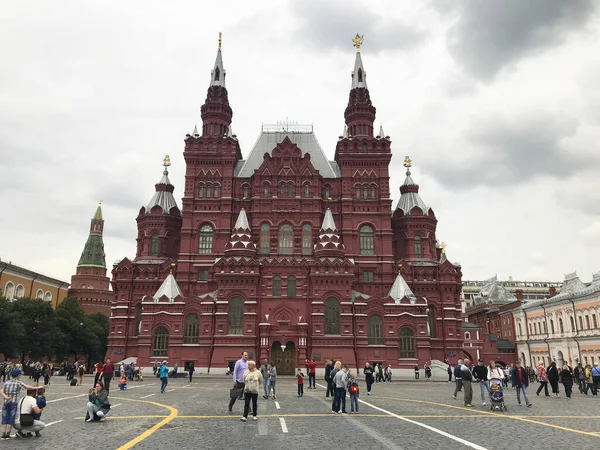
(99, 325)
(11, 330)
(38, 321)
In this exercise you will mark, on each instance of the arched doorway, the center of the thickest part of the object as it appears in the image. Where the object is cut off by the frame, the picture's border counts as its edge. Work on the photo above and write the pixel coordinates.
(284, 357)
(560, 359)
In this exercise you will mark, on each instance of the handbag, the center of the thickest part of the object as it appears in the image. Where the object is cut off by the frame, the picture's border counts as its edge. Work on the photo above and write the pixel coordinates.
(235, 392)
(26, 420)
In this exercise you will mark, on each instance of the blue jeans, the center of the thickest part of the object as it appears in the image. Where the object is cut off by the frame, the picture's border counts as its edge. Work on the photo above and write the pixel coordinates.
(519, 389)
(484, 386)
(353, 402)
(266, 384)
(163, 386)
(339, 400)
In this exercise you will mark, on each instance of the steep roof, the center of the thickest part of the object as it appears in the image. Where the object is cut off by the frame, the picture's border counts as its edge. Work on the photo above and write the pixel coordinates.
(163, 196)
(400, 290)
(494, 292)
(98, 213)
(410, 197)
(305, 140)
(170, 288)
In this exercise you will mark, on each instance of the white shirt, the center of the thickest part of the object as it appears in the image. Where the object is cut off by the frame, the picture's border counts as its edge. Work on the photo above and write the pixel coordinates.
(26, 407)
(495, 373)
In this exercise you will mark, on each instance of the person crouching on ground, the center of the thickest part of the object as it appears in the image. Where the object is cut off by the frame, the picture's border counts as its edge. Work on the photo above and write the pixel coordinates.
(123, 381)
(252, 381)
(98, 404)
(10, 392)
(26, 422)
(40, 400)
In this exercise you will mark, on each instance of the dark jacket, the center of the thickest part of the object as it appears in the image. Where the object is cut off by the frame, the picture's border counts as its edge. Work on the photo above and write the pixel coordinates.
(552, 373)
(457, 375)
(480, 373)
(465, 373)
(99, 399)
(515, 380)
(368, 371)
(567, 377)
(328, 369)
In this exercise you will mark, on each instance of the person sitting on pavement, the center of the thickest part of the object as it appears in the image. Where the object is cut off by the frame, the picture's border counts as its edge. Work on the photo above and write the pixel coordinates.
(98, 404)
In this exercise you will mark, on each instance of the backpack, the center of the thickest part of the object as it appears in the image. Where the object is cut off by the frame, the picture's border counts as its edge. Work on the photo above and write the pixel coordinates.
(353, 387)
(73, 382)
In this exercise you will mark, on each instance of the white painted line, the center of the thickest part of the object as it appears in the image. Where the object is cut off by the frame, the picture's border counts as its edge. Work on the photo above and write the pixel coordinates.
(428, 427)
(283, 425)
(65, 398)
(277, 405)
(118, 404)
(52, 423)
(170, 390)
(187, 385)
(146, 396)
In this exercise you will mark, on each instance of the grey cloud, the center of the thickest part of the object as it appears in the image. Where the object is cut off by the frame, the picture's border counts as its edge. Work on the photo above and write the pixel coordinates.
(489, 35)
(332, 24)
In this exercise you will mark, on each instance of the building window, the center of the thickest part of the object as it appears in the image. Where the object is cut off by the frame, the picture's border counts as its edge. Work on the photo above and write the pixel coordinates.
(358, 192)
(368, 276)
(375, 330)
(290, 190)
(431, 322)
(327, 191)
(366, 192)
(306, 239)
(572, 323)
(206, 239)
(276, 286)
(418, 247)
(236, 316)
(286, 238)
(48, 297)
(21, 293)
(332, 316)
(138, 318)
(192, 329)
(160, 343)
(467, 336)
(593, 315)
(265, 238)
(366, 240)
(560, 325)
(580, 323)
(291, 286)
(587, 322)
(203, 275)
(246, 191)
(216, 191)
(39, 294)
(407, 343)
(201, 191)
(154, 245)
(552, 326)
(306, 190)
(282, 190)
(9, 290)
(266, 191)
(373, 192)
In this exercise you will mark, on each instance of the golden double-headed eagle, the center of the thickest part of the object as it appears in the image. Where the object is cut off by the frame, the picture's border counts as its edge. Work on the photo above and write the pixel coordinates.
(358, 40)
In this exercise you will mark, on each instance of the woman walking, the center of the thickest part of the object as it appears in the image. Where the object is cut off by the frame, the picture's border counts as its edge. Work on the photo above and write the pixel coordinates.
(552, 373)
(543, 379)
(567, 379)
(368, 371)
(164, 376)
(80, 372)
(273, 373)
(252, 381)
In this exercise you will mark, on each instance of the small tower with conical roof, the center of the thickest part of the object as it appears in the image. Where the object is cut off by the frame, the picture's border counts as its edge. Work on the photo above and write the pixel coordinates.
(90, 285)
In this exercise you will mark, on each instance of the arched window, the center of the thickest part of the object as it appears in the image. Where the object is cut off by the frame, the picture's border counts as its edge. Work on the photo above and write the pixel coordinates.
(160, 343)
(364, 148)
(21, 293)
(246, 191)
(572, 323)
(192, 329)
(375, 330)
(306, 239)
(266, 192)
(332, 316)
(201, 191)
(138, 318)
(357, 191)
(560, 325)
(291, 286)
(360, 75)
(206, 239)
(520, 329)
(418, 247)
(306, 190)
(286, 239)
(407, 343)
(154, 245)
(290, 190)
(373, 192)
(467, 336)
(236, 316)
(366, 192)
(265, 238)
(9, 290)
(594, 320)
(580, 323)
(431, 321)
(216, 191)
(327, 191)
(530, 329)
(48, 297)
(276, 286)
(366, 240)
(217, 74)
(552, 326)
(39, 294)
(587, 321)
(282, 190)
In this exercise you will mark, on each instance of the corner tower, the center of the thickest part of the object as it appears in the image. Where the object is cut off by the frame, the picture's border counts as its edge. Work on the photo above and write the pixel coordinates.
(90, 285)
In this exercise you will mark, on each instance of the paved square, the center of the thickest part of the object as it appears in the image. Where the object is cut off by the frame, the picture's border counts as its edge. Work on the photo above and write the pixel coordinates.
(399, 415)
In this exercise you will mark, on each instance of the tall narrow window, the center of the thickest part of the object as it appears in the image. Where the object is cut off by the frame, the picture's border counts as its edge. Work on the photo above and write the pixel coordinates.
(201, 191)
(236, 316)
(192, 329)
(360, 75)
(286, 238)
(216, 191)
(154, 245)
(520, 329)
(407, 343)
(138, 318)
(266, 191)
(327, 191)
(373, 192)
(572, 323)
(332, 316)
(580, 323)
(587, 322)
(593, 320)
(365, 192)
(375, 330)
(160, 343)
(560, 325)
(21, 293)
(418, 247)
(366, 240)
(217, 74)
(290, 190)
(276, 286)
(282, 190)
(358, 192)
(246, 191)
(206, 239)
(306, 239)
(306, 190)
(364, 148)
(9, 290)
(291, 286)
(431, 321)
(551, 326)
(265, 238)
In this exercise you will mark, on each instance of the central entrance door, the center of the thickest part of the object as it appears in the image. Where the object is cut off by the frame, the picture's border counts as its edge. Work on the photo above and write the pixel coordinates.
(285, 361)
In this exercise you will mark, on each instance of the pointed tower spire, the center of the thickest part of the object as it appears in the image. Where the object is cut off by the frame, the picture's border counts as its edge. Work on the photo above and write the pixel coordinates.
(359, 75)
(381, 134)
(217, 75)
(360, 112)
(163, 196)
(409, 193)
(241, 237)
(93, 252)
(329, 240)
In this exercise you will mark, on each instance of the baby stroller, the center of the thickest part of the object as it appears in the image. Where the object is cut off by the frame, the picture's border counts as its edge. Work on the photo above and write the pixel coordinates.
(496, 395)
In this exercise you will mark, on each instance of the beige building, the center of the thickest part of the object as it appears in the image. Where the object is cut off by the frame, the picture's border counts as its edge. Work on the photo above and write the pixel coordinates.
(561, 328)
(532, 290)
(17, 282)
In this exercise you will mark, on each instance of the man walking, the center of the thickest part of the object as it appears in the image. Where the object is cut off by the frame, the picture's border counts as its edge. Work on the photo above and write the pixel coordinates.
(520, 381)
(311, 367)
(107, 372)
(467, 379)
(238, 378)
(328, 380)
(265, 371)
(480, 373)
(457, 378)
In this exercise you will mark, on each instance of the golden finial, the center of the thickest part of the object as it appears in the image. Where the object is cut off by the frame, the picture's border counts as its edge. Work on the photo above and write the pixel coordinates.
(399, 268)
(443, 246)
(220, 40)
(166, 161)
(173, 265)
(407, 162)
(358, 40)
(101, 201)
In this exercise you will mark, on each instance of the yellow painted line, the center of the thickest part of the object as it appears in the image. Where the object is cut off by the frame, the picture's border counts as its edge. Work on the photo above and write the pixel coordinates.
(150, 431)
(523, 419)
(127, 417)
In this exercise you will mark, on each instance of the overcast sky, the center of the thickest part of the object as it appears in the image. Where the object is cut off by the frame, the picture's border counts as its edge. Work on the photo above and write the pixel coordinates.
(497, 103)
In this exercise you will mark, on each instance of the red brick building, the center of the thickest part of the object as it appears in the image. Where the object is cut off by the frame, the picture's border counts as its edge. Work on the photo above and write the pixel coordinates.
(90, 285)
(286, 254)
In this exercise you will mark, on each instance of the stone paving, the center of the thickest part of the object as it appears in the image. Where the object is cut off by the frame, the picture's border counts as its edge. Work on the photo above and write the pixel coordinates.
(399, 415)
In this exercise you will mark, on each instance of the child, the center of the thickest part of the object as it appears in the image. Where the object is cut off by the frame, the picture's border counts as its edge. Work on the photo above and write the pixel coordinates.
(300, 377)
(353, 390)
(80, 373)
(123, 381)
(40, 400)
